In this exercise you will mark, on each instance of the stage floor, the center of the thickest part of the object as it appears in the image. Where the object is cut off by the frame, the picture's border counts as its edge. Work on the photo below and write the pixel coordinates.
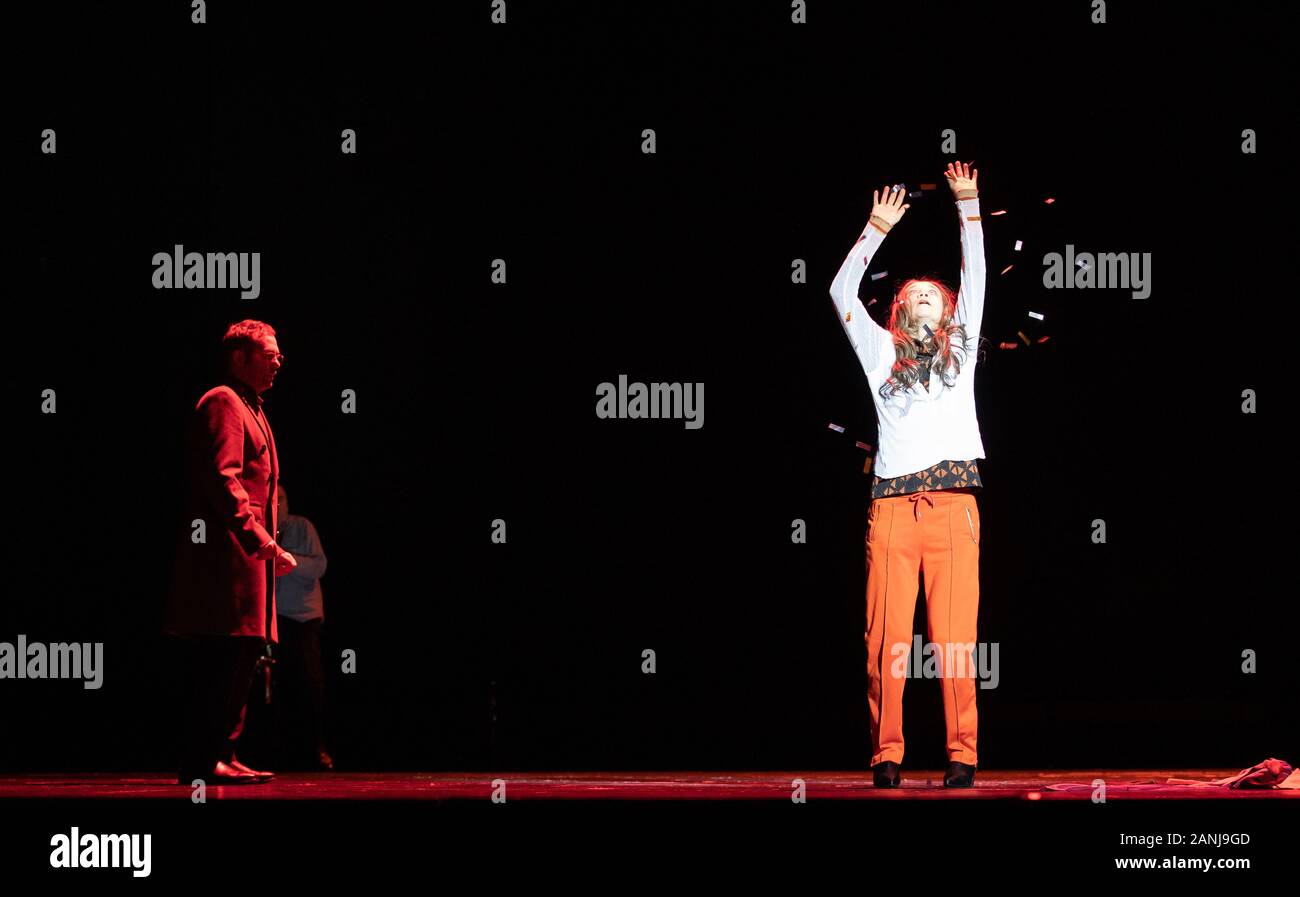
(1014, 785)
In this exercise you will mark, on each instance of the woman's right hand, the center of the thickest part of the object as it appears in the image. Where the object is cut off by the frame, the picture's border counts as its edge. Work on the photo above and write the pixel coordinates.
(887, 205)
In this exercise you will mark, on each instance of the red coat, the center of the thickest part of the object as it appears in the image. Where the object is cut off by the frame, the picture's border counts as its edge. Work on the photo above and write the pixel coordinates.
(219, 587)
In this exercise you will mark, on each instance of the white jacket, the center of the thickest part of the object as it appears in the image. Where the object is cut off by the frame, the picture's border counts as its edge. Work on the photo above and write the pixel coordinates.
(918, 427)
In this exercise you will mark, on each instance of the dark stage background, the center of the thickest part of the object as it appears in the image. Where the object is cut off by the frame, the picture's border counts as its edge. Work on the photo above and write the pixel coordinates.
(476, 401)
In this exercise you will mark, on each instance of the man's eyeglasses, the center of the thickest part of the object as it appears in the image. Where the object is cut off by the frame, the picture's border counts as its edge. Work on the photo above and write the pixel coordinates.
(277, 356)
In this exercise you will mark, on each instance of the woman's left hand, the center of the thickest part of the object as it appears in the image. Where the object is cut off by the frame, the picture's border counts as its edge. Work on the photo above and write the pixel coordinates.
(963, 180)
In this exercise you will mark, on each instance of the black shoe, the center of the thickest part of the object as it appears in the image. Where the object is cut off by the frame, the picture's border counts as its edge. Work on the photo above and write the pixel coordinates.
(960, 775)
(885, 774)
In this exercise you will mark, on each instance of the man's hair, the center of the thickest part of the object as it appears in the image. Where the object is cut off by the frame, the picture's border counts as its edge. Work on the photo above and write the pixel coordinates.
(950, 340)
(246, 336)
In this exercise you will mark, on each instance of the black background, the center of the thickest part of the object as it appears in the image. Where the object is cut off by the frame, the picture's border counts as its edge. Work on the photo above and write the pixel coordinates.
(476, 401)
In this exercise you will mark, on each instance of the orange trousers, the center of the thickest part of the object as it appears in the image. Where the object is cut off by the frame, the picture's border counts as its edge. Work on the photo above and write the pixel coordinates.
(934, 535)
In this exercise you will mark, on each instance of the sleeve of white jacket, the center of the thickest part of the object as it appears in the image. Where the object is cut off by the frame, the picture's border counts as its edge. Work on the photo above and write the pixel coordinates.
(869, 339)
(970, 296)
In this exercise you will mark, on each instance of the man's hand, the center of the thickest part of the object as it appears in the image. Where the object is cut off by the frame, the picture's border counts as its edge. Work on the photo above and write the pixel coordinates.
(887, 207)
(284, 562)
(963, 180)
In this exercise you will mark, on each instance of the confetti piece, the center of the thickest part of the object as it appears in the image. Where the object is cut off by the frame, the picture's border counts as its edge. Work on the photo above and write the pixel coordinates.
(866, 468)
(1019, 243)
(928, 330)
(848, 317)
(1007, 345)
(898, 187)
(999, 212)
(1021, 334)
(1034, 314)
(871, 303)
(1043, 339)
(1049, 200)
(914, 194)
(880, 275)
(1082, 263)
(836, 427)
(929, 186)
(1007, 268)
(863, 445)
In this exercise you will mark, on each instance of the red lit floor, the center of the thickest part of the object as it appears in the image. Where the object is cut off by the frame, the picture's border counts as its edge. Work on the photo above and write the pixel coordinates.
(1022, 784)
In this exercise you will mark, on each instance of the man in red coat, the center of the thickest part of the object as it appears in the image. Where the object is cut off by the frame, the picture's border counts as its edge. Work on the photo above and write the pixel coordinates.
(222, 600)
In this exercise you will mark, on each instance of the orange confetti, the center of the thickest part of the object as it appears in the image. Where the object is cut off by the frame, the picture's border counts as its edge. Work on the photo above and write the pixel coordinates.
(929, 186)
(999, 212)
(1021, 334)
(1007, 268)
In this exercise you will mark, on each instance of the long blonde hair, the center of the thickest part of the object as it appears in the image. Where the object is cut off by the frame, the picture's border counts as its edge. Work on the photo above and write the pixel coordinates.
(949, 340)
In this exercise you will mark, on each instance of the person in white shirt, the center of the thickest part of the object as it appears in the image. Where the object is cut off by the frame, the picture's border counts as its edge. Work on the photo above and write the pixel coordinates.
(923, 520)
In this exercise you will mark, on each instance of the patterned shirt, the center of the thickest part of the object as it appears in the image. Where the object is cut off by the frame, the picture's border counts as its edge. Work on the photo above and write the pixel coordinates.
(944, 475)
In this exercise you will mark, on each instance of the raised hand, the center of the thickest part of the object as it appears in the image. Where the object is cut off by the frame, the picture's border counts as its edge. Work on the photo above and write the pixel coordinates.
(887, 206)
(963, 180)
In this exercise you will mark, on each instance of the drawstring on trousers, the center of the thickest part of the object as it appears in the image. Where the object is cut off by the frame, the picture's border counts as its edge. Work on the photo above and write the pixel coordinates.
(916, 504)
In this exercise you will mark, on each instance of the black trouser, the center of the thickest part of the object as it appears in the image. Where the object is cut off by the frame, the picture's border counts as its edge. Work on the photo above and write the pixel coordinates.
(302, 690)
(218, 679)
